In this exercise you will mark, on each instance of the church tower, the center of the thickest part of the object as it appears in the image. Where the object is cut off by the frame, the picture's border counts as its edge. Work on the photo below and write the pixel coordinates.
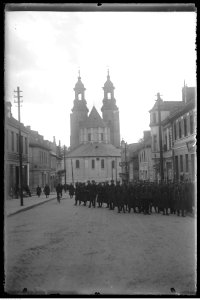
(111, 112)
(79, 112)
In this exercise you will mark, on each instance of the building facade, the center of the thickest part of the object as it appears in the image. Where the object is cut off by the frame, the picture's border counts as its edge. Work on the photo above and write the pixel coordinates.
(179, 134)
(12, 178)
(39, 158)
(178, 121)
(94, 141)
(165, 108)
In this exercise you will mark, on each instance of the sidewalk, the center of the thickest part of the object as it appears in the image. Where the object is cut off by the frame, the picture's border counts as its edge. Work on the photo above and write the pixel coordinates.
(13, 206)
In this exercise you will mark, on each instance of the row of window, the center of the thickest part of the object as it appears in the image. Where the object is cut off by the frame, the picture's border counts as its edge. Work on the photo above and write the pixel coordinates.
(90, 137)
(12, 142)
(184, 127)
(182, 163)
(93, 164)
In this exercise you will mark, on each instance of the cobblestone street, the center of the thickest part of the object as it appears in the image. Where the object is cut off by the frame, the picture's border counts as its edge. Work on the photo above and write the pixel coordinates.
(67, 249)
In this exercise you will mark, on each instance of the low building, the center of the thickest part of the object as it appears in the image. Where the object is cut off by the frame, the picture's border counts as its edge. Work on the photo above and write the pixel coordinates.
(12, 182)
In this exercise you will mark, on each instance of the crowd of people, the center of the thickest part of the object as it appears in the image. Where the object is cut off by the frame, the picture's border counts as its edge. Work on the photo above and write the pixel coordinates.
(141, 197)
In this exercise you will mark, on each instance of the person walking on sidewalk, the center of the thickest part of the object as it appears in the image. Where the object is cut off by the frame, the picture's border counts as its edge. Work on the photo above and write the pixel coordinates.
(38, 191)
(47, 190)
(59, 192)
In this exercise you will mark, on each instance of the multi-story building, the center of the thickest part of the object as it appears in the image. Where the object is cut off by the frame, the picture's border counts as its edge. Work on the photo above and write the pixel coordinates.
(95, 141)
(179, 150)
(178, 119)
(12, 180)
(39, 159)
(165, 108)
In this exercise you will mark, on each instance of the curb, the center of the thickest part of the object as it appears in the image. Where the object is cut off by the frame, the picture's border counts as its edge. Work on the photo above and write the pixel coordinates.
(30, 206)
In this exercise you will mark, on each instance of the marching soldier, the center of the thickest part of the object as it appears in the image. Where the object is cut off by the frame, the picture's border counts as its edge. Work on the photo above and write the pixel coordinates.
(111, 195)
(71, 190)
(77, 193)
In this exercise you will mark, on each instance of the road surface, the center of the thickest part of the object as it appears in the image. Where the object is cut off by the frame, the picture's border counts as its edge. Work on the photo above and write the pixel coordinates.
(66, 249)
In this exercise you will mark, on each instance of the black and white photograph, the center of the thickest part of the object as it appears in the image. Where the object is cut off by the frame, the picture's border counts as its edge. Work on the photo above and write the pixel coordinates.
(100, 161)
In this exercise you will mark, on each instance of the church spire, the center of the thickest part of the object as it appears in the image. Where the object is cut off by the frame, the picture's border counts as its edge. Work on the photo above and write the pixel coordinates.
(108, 75)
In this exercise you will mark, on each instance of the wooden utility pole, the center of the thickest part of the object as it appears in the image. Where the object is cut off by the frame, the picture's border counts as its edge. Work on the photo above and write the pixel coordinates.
(72, 172)
(64, 165)
(160, 138)
(20, 146)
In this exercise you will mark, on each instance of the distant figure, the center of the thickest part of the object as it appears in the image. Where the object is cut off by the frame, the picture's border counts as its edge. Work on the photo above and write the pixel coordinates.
(16, 191)
(59, 192)
(27, 190)
(47, 190)
(38, 190)
(71, 190)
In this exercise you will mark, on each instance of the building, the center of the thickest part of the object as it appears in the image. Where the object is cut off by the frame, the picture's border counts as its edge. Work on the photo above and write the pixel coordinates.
(146, 170)
(133, 162)
(165, 108)
(179, 141)
(129, 162)
(12, 181)
(55, 164)
(39, 159)
(178, 119)
(94, 141)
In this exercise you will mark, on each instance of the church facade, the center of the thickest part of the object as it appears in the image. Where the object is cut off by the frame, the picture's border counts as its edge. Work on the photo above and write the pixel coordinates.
(94, 141)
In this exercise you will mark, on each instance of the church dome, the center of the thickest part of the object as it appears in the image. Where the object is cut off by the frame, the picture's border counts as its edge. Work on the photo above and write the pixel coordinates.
(108, 83)
(79, 85)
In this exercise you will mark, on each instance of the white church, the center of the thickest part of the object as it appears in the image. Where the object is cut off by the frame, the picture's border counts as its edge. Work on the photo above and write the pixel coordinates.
(95, 151)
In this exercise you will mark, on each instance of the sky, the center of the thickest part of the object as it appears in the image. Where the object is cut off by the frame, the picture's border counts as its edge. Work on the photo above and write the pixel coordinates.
(146, 53)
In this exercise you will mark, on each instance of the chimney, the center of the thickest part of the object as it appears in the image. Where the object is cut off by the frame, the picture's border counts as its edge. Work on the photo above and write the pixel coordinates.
(28, 127)
(54, 139)
(188, 93)
(8, 109)
(146, 134)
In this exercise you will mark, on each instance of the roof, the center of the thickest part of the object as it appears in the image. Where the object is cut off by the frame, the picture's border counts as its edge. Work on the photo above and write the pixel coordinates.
(95, 150)
(179, 112)
(94, 120)
(167, 105)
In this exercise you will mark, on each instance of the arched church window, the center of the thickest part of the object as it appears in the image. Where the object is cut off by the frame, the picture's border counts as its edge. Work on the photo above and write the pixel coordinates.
(77, 164)
(102, 163)
(109, 95)
(93, 164)
(89, 137)
(154, 117)
(79, 96)
(101, 136)
(113, 164)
